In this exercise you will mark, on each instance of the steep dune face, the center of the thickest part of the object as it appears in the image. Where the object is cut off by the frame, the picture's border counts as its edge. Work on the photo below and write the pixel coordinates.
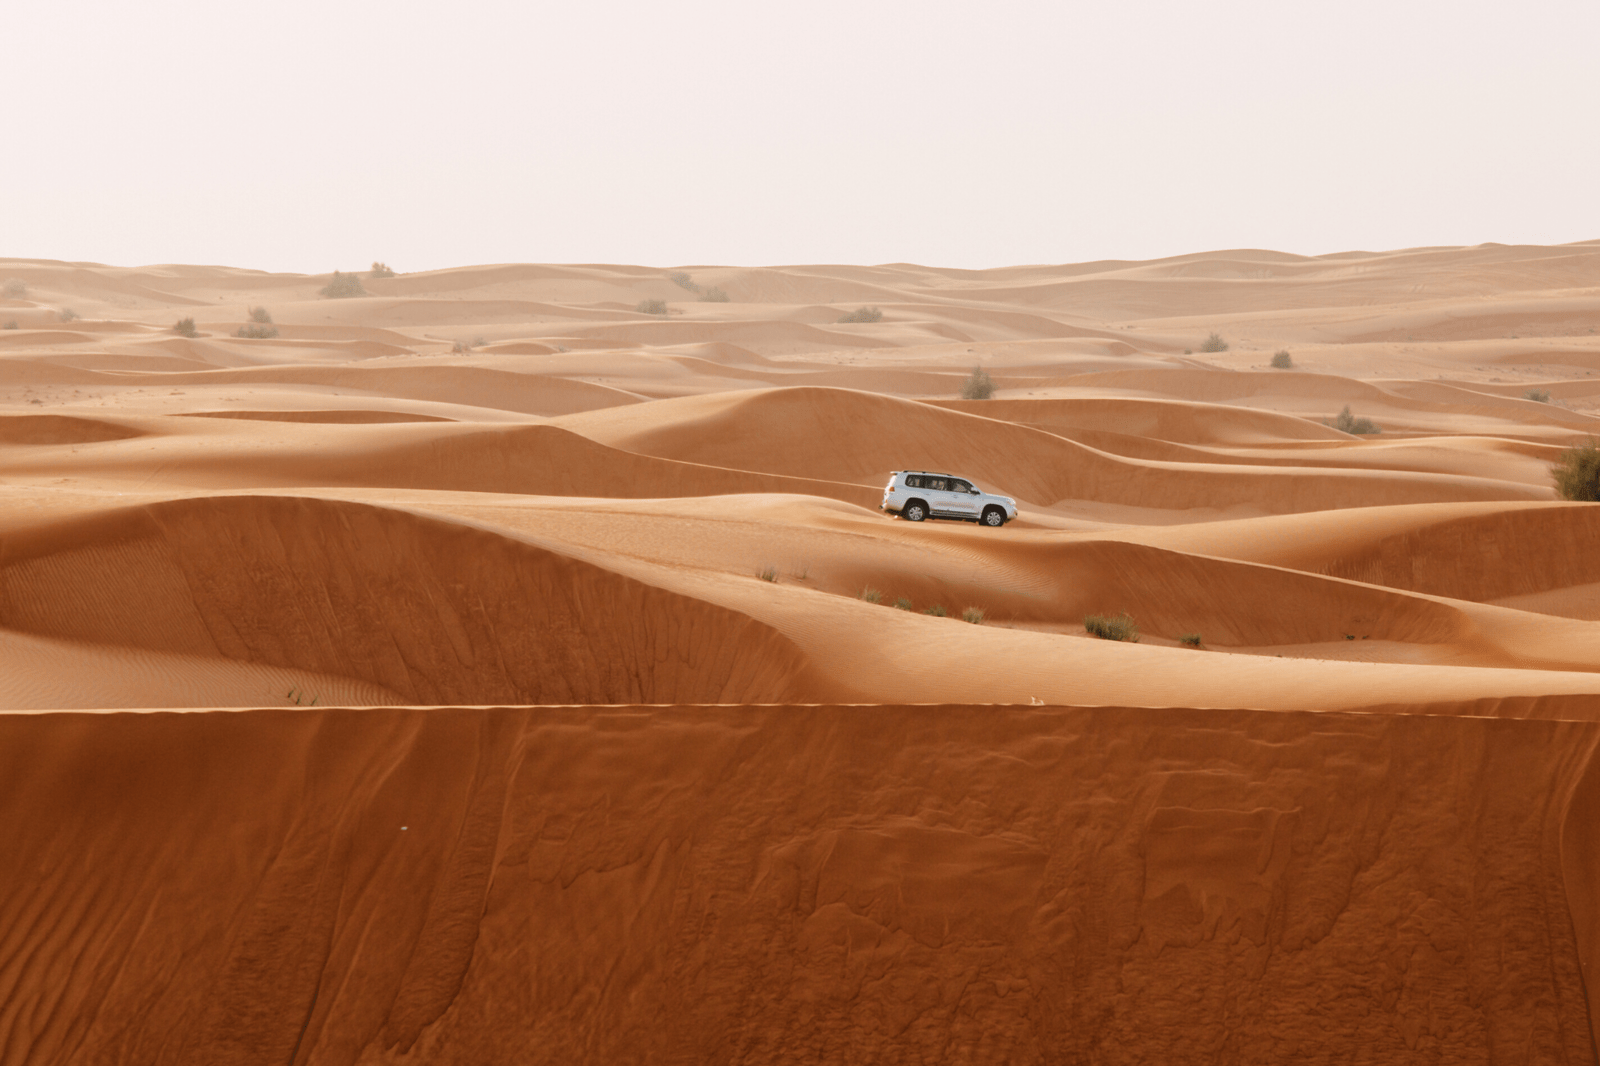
(550, 461)
(1174, 421)
(60, 429)
(437, 613)
(1484, 557)
(818, 885)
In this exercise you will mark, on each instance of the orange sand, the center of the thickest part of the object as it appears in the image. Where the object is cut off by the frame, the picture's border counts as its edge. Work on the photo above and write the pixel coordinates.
(1301, 841)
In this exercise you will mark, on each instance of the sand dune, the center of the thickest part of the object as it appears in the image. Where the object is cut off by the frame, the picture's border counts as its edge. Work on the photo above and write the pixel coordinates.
(603, 884)
(435, 613)
(855, 436)
(554, 689)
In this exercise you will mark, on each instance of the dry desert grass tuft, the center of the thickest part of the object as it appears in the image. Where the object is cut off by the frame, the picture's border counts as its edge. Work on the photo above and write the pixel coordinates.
(1345, 422)
(978, 386)
(1112, 626)
(1576, 471)
(343, 287)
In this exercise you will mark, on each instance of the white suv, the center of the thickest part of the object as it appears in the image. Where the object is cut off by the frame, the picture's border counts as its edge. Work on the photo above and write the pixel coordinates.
(918, 494)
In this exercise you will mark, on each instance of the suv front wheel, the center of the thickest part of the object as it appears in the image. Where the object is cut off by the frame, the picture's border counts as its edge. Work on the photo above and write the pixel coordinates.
(914, 511)
(994, 516)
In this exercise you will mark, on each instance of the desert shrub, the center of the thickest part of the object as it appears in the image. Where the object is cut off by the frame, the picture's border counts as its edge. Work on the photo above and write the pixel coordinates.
(10, 324)
(1214, 343)
(343, 286)
(1188, 351)
(1349, 423)
(14, 289)
(256, 331)
(381, 270)
(480, 342)
(937, 610)
(652, 307)
(683, 281)
(902, 604)
(260, 314)
(1576, 471)
(973, 615)
(1190, 640)
(1113, 627)
(714, 295)
(1537, 395)
(185, 327)
(1281, 360)
(67, 314)
(862, 314)
(871, 595)
(978, 386)
(460, 348)
(768, 573)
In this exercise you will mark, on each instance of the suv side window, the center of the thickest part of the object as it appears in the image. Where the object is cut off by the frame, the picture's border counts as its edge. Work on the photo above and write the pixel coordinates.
(913, 481)
(937, 484)
(957, 485)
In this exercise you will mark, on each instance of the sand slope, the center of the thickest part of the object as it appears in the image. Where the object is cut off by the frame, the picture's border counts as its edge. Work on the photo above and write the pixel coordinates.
(835, 884)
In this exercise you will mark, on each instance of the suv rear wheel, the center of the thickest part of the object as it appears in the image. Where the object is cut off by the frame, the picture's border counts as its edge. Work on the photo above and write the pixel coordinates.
(994, 516)
(914, 511)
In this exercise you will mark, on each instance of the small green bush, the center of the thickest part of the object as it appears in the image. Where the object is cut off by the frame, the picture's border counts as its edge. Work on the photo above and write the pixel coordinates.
(652, 307)
(1349, 423)
(902, 604)
(67, 314)
(1537, 395)
(256, 331)
(185, 327)
(973, 615)
(15, 289)
(978, 386)
(937, 610)
(381, 270)
(343, 286)
(871, 595)
(1576, 471)
(10, 324)
(261, 314)
(1214, 343)
(1190, 640)
(1113, 627)
(683, 281)
(460, 348)
(1281, 360)
(863, 314)
(714, 295)
(480, 342)
(768, 573)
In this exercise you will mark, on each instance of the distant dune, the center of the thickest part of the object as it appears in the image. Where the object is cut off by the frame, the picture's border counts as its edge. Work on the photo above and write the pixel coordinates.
(487, 669)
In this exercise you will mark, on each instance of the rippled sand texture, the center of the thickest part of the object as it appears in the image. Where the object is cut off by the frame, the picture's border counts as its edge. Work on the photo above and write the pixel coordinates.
(473, 555)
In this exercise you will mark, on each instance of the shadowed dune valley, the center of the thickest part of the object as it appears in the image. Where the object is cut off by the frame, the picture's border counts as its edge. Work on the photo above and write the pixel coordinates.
(532, 664)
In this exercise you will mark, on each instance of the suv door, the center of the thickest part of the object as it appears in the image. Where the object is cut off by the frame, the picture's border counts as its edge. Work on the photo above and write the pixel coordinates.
(941, 501)
(963, 499)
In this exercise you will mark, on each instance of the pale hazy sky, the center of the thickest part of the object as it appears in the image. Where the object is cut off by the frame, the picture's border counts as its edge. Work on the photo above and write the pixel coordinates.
(310, 136)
